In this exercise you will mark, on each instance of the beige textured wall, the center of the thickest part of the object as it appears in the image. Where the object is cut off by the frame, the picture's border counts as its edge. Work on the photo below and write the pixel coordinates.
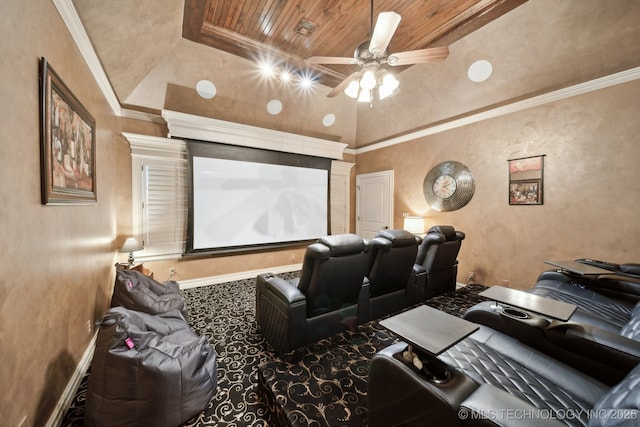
(591, 195)
(57, 266)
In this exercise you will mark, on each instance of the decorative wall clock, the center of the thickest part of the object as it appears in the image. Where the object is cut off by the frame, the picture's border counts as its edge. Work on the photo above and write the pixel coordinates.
(448, 186)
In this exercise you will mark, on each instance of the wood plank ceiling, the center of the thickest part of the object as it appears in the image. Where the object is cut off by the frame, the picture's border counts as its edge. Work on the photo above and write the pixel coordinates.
(290, 31)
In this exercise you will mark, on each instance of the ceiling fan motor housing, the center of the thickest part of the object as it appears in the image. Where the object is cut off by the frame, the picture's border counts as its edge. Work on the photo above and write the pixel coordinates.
(363, 55)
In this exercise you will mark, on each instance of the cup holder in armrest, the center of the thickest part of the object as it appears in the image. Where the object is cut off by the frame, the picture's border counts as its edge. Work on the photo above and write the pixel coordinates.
(513, 313)
(435, 370)
(427, 366)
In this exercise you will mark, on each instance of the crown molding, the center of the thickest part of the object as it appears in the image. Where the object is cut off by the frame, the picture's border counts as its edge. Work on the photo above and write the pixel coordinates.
(155, 146)
(535, 101)
(338, 167)
(71, 19)
(140, 115)
(183, 125)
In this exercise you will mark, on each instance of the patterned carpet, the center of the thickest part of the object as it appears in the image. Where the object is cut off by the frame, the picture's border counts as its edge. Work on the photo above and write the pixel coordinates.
(320, 385)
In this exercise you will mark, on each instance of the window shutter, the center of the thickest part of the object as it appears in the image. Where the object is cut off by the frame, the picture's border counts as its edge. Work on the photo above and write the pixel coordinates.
(165, 205)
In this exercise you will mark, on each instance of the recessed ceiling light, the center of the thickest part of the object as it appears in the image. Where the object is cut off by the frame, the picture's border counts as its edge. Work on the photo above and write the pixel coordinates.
(305, 82)
(206, 89)
(285, 76)
(274, 106)
(267, 69)
(328, 120)
(480, 71)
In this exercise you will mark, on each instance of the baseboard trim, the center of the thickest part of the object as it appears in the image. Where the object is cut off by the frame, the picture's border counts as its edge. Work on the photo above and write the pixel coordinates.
(72, 386)
(214, 280)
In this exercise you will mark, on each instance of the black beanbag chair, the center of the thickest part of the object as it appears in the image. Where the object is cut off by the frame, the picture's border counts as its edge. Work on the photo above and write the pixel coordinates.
(136, 291)
(148, 370)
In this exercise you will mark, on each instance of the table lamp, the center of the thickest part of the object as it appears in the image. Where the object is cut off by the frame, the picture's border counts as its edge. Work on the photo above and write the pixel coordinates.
(414, 224)
(131, 245)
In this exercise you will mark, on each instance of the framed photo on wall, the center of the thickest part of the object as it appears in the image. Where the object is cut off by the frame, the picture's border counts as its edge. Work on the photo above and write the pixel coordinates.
(67, 143)
(526, 180)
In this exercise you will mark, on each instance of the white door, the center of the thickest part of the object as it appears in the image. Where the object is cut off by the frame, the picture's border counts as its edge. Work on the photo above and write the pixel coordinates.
(374, 203)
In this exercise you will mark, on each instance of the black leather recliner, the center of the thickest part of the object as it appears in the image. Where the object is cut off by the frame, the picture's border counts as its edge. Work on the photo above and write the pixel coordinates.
(436, 265)
(618, 312)
(392, 283)
(330, 295)
(605, 355)
(494, 380)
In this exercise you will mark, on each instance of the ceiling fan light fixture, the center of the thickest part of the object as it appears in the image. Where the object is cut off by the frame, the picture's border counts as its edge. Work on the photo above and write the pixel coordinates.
(389, 82)
(388, 86)
(365, 96)
(353, 89)
(368, 80)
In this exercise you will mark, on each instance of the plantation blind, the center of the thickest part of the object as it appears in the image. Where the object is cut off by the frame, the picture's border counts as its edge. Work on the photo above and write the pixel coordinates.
(164, 206)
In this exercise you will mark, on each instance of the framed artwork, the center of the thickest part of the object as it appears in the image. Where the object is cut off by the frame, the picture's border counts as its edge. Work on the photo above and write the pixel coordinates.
(67, 143)
(526, 180)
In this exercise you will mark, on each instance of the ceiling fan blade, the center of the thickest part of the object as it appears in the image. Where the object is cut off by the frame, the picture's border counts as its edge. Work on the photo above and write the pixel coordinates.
(330, 60)
(342, 85)
(386, 26)
(420, 56)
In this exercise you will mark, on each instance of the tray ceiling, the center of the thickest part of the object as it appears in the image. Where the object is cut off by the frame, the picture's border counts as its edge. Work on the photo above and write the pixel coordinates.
(290, 31)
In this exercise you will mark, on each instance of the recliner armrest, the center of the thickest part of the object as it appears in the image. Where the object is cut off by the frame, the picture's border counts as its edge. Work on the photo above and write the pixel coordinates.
(618, 286)
(399, 394)
(489, 405)
(594, 341)
(419, 269)
(284, 290)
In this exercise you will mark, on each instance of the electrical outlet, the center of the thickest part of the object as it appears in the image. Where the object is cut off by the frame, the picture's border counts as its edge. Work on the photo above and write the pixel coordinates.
(505, 283)
(172, 271)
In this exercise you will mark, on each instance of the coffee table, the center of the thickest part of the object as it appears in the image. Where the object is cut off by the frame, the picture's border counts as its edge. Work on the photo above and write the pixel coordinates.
(537, 304)
(428, 329)
(578, 268)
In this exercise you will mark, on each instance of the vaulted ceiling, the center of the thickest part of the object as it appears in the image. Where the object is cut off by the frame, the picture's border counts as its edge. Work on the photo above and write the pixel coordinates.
(155, 51)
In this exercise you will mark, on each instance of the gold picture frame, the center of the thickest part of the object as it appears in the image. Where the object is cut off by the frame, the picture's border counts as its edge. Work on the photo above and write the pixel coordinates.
(67, 142)
(526, 176)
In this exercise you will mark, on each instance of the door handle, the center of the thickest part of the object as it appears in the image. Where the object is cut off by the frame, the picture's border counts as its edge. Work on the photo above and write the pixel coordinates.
(386, 227)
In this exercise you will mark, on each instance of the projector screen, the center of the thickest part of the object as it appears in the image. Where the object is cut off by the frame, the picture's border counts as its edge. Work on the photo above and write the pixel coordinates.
(246, 199)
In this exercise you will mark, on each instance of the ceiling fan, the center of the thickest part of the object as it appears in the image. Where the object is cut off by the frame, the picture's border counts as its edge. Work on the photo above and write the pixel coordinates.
(373, 53)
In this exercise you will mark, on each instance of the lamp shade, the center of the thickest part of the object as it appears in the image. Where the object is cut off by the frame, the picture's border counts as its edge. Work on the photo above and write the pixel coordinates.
(414, 224)
(131, 245)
